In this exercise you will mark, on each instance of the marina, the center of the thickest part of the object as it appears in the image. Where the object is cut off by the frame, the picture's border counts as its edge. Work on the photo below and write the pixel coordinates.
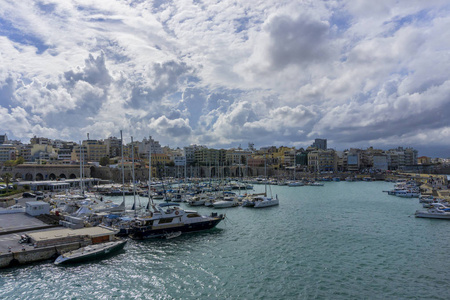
(343, 240)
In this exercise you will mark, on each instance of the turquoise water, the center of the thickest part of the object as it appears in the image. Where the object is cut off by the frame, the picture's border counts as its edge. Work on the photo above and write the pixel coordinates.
(346, 240)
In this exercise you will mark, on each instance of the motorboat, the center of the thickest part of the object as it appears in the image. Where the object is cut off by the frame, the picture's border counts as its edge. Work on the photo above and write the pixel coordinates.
(295, 183)
(435, 212)
(404, 193)
(198, 200)
(91, 252)
(169, 217)
(427, 199)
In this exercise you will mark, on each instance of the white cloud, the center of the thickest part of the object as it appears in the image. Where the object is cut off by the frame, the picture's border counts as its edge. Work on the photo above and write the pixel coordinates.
(227, 72)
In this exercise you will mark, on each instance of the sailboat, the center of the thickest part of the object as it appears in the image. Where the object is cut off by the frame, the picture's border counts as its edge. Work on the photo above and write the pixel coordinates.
(264, 201)
(295, 182)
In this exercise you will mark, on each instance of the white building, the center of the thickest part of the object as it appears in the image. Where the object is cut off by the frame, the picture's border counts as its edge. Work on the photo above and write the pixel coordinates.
(36, 208)
(150, 144)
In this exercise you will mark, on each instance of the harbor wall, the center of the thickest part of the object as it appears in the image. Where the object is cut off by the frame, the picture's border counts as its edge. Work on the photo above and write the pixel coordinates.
(35, 255)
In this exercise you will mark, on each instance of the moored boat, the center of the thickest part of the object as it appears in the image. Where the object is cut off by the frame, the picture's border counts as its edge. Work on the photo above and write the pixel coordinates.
(91, 252)
(261, 202)
(434, 213)
(169, 217)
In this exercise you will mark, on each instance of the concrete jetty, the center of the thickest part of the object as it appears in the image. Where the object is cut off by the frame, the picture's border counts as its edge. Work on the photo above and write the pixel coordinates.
(45, 241)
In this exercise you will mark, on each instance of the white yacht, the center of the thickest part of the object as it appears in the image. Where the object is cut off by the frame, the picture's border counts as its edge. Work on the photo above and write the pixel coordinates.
(437, 211)
(262, 201)
(226, 202)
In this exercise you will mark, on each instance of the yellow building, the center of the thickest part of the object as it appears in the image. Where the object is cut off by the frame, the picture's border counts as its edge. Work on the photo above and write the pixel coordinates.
(95, 150)
(160, 159)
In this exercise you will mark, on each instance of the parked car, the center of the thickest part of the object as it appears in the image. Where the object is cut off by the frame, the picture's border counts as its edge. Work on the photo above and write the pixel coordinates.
(28, 195)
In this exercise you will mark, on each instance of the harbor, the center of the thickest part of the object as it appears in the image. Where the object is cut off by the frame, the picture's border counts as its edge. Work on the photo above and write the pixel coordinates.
(346, 239)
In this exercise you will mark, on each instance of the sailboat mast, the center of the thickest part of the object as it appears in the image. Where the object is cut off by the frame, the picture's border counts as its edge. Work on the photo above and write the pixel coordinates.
(123, 169)
(134, 181)
(81, 172)
(265, 174)
(149, 173)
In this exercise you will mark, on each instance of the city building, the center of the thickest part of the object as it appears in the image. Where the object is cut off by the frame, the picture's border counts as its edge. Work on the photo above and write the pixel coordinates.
(237, 156)
(322, 161)
(3, 139)
(320, 144)
(380, 162)
(7, 152)
(189, 153)
(206, 156)
(113, 146)
(95, 150)
(149, 145)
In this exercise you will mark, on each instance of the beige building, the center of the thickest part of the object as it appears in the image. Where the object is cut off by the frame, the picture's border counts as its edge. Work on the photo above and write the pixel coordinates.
(7, 152)
(237, 157)
(95, 150)
(322, 161)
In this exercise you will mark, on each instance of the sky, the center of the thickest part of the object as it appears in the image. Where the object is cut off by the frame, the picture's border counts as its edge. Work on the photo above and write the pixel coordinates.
(225, 73)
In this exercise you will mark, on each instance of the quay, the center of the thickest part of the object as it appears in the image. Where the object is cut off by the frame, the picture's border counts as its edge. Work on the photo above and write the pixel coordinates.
(45, 241)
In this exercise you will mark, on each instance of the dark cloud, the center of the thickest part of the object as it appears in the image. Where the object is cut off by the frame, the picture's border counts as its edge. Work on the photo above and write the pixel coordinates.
(94, 72)
(297, 41)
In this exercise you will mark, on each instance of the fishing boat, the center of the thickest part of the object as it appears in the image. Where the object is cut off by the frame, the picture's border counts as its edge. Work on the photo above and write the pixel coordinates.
(169, 217)
(91, 252)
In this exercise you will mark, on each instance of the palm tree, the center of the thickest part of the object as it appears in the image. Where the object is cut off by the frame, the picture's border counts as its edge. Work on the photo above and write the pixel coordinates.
(7, 178)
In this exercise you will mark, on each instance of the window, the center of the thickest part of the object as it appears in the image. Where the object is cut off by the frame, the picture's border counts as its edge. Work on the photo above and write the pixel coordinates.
(165, 220)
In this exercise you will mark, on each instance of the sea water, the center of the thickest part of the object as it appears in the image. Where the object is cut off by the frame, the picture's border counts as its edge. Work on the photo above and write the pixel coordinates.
(345, 240)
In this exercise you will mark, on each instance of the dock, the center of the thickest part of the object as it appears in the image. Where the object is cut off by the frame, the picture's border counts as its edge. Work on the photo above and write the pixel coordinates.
(46, 241)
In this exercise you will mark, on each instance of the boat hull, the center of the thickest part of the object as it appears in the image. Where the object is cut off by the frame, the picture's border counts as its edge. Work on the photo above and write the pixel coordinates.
(88, 255)
(147, 233)
(266, 204)
(428, 215)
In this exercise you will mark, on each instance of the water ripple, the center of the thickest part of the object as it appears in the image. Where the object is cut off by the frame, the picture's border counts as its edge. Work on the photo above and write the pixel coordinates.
(342, 241)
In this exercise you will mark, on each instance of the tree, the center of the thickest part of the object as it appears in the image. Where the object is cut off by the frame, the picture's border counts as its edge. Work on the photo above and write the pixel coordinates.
(7, 178)
(104, 161)
(19, 160)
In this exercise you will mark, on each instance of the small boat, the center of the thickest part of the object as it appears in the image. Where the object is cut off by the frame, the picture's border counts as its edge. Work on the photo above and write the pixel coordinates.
(226, 202)
(91, 252)
(295, 183)
(436, 211)
(261, 202)
(172, 235)
(404, 193)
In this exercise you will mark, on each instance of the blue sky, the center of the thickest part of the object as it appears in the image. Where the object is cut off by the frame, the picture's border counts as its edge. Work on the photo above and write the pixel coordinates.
(225, 73)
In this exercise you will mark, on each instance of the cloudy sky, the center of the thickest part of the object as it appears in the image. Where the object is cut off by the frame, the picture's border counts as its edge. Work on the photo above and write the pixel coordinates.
(225, 73)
